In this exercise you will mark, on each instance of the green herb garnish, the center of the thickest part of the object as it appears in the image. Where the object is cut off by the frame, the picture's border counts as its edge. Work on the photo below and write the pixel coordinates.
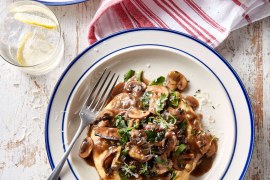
(151, 135)
(172, 119)
(128, 171)
(160, 103)
(180, 149)
(183, 125)
(139, 76)
(128, 75)
(161, 121)
(159, 160)
(144, 169)
(159, 81)
(145, 99)
(160, 135)
(124, 134)
(173, 176)
(125, 151)
(120, 122)
(174, 99)
(193, 132)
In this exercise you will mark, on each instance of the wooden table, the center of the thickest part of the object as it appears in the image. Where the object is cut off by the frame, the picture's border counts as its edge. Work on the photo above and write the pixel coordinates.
(22, 147)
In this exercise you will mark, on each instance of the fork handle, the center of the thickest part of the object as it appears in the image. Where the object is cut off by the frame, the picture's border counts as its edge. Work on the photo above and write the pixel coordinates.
(58, 168)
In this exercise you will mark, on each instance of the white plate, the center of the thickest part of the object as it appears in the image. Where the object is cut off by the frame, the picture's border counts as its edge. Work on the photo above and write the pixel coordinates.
(59, 2)
(164, 50)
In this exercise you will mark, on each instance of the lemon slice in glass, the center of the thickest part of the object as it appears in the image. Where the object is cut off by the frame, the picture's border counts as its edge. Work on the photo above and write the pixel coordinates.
(33, 9)
(33, 49)
(34, 20)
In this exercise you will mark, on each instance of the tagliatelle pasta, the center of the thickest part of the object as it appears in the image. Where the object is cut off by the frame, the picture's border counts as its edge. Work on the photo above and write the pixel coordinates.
(149, 130)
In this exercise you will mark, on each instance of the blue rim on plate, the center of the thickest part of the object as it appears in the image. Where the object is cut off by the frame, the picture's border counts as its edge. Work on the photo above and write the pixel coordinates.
(60, 3)
(155, 29)
(85, 72)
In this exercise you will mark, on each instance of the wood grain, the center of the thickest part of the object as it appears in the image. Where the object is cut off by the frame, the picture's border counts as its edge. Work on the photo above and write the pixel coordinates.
(22, 149)
(248, 50)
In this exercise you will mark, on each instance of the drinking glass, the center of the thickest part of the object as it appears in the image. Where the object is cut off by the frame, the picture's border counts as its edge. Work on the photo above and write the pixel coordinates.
(30, 37)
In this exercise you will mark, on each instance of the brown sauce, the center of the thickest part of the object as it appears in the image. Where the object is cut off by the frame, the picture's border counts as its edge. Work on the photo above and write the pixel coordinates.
(119, 88)
(90, 161)
(204, 166)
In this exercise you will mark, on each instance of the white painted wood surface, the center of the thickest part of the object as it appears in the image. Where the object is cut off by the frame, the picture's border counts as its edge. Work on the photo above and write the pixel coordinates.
(22, 147)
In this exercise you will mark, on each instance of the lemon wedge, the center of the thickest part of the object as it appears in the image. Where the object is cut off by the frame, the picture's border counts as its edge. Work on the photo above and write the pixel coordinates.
(34, 20)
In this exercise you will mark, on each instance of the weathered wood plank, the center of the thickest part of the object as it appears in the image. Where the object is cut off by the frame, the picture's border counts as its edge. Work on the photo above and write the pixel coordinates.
(247, 49)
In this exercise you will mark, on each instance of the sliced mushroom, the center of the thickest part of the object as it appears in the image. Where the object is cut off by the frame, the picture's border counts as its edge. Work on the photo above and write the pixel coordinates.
(123, 101)
(138, 137)
(106, 114)
(204, 141)
(192, 101)
(158, 90)
(135, 113)
(176, 80)
(135, 87)
(104, 123)
(191, 115)
(86, 147)
(178, 114)
(110, 161)
(107, 133)
(170, 143)
(141, 154)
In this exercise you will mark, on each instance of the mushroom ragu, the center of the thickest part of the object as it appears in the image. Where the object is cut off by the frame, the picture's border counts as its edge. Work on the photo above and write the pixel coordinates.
(149, 130)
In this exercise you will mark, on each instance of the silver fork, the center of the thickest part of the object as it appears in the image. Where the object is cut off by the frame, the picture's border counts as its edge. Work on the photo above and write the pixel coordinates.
(91, 107)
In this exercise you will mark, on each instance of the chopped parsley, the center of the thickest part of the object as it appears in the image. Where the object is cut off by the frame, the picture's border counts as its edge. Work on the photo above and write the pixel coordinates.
(171, 119)
(151, 135)
(120, 122)
(144, 169)
(128, 75)
(160, 135)
(155, 136)
(160, 103)
(145, 99)
(174, 99)
(127, 171)
(124, 134)
(173, 176)
(125, 151)
(162, 122)
(183, 125)
(193, 132)
(180, 149)
(139, 75)
(159, 160)
(159, 81)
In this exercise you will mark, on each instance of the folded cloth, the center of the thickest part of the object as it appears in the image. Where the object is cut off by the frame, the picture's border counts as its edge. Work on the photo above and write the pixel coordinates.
(208, 20)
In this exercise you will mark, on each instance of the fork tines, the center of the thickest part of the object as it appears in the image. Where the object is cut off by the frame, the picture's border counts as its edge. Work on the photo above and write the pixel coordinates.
(101, 91)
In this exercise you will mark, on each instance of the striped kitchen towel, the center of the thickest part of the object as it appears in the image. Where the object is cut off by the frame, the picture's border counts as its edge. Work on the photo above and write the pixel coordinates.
(208, 20)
